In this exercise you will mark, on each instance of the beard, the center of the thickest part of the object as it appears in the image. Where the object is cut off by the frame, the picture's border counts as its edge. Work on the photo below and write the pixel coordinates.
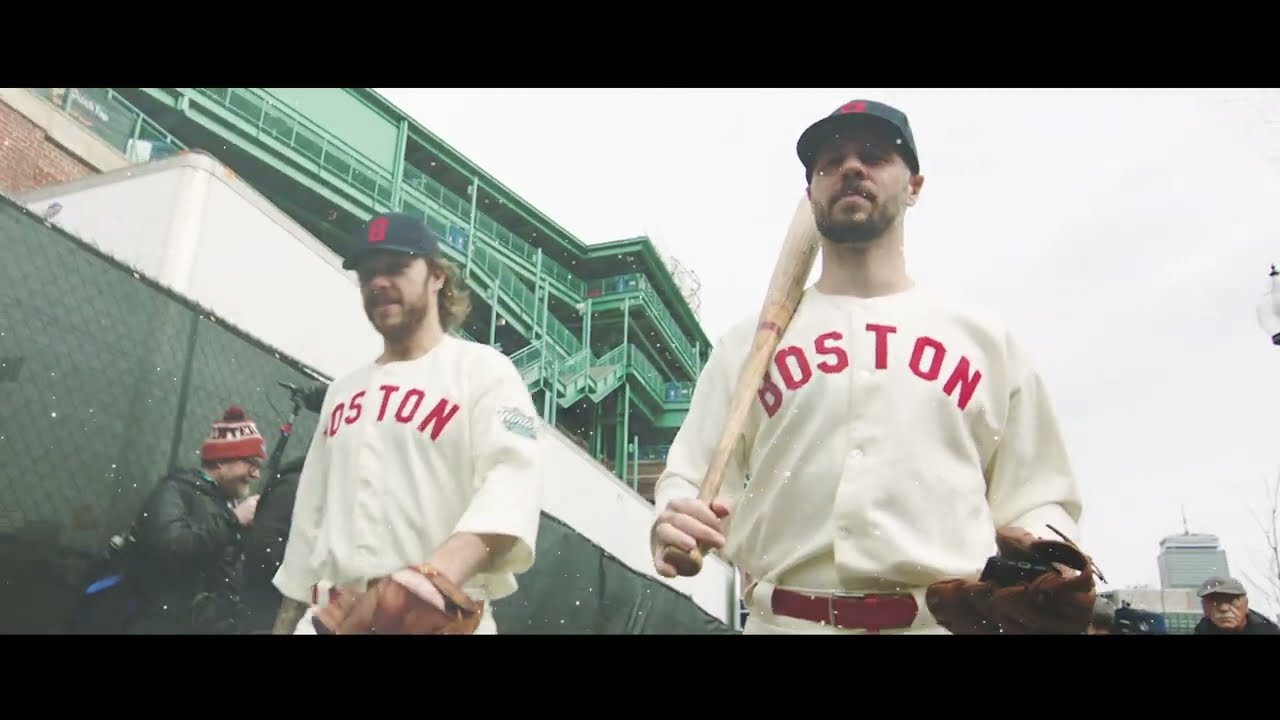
(237, 489)
(850, 231)
(411, 317)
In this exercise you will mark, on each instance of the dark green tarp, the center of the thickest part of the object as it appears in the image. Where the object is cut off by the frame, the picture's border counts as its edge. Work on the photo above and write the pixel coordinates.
(578, 588)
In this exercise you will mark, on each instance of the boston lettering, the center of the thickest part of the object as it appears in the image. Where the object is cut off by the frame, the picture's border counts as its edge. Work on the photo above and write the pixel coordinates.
(407, 408)
(928, 358)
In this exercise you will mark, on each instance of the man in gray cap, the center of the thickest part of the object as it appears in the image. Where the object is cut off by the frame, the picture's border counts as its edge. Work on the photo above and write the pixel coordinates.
(1226, 610)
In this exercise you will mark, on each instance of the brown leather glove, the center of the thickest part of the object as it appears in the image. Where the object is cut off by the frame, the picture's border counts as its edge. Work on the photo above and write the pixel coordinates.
(390, 608)
(1046, 587)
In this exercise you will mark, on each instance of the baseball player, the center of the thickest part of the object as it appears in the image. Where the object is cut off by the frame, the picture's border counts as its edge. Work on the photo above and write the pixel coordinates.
(894, 432)
(419, 501)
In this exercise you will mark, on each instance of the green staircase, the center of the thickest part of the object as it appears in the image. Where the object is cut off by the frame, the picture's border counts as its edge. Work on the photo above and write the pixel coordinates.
(507, 271)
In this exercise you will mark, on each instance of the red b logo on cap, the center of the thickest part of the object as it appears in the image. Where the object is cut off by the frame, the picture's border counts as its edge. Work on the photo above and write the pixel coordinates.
(378, 230)
(856, 106)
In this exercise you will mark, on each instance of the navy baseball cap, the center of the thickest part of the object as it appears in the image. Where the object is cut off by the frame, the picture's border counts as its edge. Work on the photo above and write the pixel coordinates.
(393, 232)
(853, 114)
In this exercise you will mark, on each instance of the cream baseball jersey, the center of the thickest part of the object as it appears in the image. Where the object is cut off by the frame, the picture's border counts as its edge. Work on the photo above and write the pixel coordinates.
(407, 454)
(888, 439)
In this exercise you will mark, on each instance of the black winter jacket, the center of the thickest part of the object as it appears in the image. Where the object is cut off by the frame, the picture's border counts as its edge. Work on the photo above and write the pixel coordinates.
(186, 558)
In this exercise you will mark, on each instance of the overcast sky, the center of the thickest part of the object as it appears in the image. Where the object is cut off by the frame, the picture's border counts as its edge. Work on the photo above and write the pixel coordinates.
(1125, 235)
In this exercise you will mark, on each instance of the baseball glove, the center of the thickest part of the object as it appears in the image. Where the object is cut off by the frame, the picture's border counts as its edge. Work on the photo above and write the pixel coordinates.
(1032, 586)
(389, 607)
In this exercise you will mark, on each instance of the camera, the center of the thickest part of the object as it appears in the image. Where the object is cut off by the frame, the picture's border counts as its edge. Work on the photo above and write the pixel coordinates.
(1004, 572)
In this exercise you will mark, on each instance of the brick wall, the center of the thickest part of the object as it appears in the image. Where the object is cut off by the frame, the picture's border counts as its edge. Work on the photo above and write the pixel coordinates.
(29, 159)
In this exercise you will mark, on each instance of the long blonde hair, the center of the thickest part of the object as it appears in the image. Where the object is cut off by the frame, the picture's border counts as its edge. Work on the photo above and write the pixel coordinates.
(455, 296)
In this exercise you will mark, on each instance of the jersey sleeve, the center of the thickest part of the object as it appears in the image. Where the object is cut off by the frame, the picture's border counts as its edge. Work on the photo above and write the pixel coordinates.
(295, 576)
(508, 495)
(1030, 481)
(696, 440)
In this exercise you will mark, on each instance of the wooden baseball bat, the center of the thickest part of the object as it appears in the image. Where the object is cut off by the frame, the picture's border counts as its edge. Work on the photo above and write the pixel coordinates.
(786, 287)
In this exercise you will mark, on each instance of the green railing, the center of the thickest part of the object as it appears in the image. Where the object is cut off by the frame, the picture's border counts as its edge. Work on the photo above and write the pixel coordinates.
(308, 139)
(616, 285)
(637, 283)
(568, 367)
(528, 359)
(616, 356)
(562, 336)
(658, 311)
(558, 370)
(574, 286)
(501, 276)
(431, 195)
(633, 361)
(499, 272)
(419, 182)
(114, 120)
(644, 369)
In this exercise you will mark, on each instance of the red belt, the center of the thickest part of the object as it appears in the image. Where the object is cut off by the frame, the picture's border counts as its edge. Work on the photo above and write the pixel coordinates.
(871, 612)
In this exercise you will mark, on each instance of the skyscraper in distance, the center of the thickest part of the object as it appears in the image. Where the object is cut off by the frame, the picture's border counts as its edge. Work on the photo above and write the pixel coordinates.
(1189, 559)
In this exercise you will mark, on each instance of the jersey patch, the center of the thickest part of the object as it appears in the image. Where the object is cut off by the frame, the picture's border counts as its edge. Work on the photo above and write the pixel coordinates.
(514, 420)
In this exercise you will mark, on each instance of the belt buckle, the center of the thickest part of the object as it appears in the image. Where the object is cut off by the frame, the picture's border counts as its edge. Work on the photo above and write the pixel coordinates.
(840, 595)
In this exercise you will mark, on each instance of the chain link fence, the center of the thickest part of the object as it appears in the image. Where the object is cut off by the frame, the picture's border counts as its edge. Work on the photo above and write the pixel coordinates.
(106, 381)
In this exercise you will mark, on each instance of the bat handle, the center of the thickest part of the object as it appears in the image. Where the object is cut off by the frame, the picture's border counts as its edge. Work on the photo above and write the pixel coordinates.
(687, 564)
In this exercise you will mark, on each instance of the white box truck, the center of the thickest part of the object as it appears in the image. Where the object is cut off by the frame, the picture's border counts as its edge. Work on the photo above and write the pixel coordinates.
(191, 224)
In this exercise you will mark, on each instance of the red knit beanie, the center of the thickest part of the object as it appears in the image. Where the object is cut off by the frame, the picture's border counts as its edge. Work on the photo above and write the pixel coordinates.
(234, 438)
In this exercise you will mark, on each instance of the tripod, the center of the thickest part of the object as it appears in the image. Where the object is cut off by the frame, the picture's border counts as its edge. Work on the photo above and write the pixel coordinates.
(300, 400)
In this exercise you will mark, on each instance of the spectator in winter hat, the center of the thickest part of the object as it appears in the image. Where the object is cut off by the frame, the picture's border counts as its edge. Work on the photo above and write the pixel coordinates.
(233, 453)
(190, 530)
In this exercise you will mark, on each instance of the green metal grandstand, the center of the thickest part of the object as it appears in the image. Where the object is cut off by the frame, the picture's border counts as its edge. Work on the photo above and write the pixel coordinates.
(602, 334)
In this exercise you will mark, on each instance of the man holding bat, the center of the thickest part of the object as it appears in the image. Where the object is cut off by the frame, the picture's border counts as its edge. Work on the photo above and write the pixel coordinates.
(863, 449)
